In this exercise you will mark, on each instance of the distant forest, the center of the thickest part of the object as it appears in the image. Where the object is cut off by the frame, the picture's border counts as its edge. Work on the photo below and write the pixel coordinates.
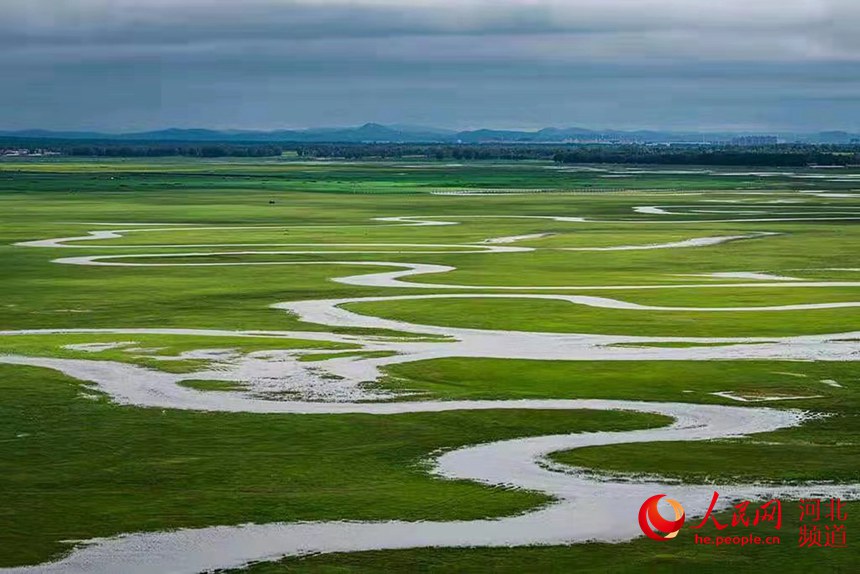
(143, 149)
(780, 155)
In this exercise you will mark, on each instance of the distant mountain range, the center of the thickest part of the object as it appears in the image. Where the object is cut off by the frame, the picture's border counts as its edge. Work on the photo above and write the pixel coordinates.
(377, 133)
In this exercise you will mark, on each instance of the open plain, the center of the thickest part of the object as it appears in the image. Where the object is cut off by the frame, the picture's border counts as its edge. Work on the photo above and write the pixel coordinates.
(389, 366)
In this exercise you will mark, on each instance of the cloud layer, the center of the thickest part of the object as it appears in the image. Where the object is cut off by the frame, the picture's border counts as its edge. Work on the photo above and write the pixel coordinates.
(131, 64)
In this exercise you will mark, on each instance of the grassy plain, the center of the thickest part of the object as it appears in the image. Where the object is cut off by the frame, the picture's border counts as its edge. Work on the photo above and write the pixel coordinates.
(632, 557)
(76, 468)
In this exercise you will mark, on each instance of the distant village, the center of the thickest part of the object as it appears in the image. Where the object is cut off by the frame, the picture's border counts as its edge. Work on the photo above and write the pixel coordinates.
(23, 152)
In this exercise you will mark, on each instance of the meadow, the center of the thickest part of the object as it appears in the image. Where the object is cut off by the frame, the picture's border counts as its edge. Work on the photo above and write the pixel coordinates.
(169, 270)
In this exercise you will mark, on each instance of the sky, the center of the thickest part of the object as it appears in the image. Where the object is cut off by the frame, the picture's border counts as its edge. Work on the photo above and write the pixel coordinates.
(129, 65)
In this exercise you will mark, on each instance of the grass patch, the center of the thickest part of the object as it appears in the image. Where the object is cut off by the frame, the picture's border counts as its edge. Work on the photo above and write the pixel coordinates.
(74, 469)
(564, 317)
(642, 555)
(316, 357)
(203, 385)
(160, 352)
(673, 381)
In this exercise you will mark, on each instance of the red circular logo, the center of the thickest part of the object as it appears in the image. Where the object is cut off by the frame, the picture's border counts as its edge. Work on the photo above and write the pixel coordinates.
(650, 520)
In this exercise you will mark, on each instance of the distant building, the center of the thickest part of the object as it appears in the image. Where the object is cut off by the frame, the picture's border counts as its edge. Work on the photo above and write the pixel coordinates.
(27, 153)
(754, 140)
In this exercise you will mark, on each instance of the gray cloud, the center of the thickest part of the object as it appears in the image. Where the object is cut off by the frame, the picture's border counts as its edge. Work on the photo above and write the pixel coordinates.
(124, 64)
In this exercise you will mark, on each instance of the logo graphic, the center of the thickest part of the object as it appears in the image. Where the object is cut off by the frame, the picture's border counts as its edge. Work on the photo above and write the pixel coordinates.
(650, 520)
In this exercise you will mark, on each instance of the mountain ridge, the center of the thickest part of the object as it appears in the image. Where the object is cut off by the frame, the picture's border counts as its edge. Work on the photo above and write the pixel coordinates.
(380, 133)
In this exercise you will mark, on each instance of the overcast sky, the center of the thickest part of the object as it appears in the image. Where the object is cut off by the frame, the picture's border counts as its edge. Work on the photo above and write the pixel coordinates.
(121, 65)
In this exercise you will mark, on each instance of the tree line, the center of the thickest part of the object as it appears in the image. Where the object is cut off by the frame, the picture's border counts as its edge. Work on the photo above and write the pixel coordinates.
(77, 148)
(765, 156)
(439, 152)
(208, 150)
(780, 155)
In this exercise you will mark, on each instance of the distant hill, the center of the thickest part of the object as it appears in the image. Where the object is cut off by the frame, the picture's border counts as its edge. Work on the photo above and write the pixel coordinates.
(378, 133)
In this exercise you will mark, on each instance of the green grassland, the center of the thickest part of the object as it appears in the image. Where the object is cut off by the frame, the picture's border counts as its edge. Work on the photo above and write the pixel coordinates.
(74, 466)
(162, 352)
(563, 317)
(641, 555)
(673, 381)
(394, 176)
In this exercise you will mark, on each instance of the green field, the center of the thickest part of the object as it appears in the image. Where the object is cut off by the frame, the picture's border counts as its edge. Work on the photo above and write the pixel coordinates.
(76, 464)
